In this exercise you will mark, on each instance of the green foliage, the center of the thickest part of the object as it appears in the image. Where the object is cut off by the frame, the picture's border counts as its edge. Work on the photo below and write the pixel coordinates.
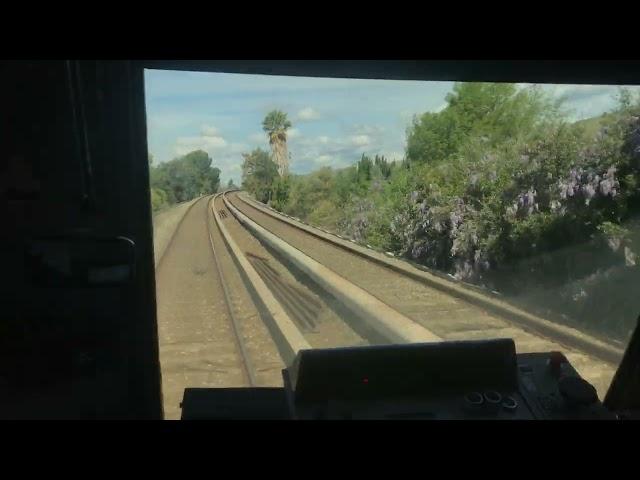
(364, 167)
(624, 98)
(489, 112)
(383, 166)
(258, 174)
(280, 192)
(306, 192)
(158, 199)
(275, 121)
(182, 179)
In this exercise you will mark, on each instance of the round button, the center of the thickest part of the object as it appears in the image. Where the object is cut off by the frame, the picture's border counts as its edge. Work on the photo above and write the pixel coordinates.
(474, 399)
(492, 400)
(492, 397)
(577, 391)
(510, 404)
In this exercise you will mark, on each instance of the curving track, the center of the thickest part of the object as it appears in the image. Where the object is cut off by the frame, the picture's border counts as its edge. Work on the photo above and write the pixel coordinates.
(229, 314)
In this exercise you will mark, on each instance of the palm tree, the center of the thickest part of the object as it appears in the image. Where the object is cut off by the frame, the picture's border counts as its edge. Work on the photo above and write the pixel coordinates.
(276, 125)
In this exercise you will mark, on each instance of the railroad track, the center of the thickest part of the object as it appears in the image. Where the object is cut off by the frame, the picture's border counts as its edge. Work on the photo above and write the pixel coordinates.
(244, 359)
(211, 335)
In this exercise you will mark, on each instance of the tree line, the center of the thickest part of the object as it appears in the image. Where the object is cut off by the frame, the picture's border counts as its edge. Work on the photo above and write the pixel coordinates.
(182, 179)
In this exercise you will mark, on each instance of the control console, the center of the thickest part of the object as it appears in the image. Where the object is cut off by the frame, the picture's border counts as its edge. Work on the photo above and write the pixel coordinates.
(554, 390)
(444, 380)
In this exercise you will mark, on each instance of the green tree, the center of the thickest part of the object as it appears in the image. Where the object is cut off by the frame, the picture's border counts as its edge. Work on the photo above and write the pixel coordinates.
(280, 192)
(276, 124)
(158, 199)
(364, 168)
(488, 112)
(258, 174)
(383, 166)
(307, 192)
(624, 98)
(186, 177)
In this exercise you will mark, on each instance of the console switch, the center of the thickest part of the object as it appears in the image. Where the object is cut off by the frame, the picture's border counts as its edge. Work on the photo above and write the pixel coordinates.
(577, 391)
(556, 361)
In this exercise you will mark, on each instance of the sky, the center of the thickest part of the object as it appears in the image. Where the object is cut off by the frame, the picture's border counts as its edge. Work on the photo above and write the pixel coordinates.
(334, 120)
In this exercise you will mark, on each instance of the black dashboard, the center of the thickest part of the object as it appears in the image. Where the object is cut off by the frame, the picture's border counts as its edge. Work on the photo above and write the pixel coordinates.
(463, 380)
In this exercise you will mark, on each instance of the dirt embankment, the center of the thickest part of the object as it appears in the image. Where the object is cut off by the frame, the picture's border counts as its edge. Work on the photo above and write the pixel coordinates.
(165, 224)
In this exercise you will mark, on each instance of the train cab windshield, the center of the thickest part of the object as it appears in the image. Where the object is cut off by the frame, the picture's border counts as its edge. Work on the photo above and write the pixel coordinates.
(296, 213)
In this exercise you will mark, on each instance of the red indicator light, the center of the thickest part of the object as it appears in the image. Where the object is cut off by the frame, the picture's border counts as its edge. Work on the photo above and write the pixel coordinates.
(365, 380)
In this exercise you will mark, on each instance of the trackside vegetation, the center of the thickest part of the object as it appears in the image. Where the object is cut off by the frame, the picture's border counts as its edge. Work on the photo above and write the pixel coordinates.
(501, 189)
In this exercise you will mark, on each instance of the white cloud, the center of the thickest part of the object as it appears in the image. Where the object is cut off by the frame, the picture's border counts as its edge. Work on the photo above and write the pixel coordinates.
(393, 155)
(375, 130)
(406, 116)
(180, 150)
(323, 159)
(209, 131)
(215, 142)
(293, 133)
(215, 145)
(184, 148)
(160, 84)
(167, 121)
(360, 140)
(440, 107)
(257, 137)
(308, 113)
(580, 90)
(582, 101)
(232, 167)
(238, 148)
(203, 143)
(309, 153)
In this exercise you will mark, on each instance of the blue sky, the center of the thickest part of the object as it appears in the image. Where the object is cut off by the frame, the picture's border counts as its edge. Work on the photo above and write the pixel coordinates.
(334, 120)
